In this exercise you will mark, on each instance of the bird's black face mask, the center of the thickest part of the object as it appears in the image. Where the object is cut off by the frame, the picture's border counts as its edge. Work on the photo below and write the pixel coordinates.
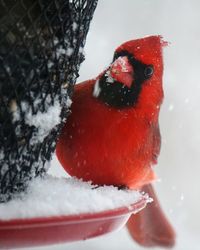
(121, 84)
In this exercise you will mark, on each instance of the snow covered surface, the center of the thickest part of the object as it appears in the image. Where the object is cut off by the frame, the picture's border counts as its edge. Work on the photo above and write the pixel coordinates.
(53, 196)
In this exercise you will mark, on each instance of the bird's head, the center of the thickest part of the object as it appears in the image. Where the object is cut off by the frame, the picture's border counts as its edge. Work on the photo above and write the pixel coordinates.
(134, 76)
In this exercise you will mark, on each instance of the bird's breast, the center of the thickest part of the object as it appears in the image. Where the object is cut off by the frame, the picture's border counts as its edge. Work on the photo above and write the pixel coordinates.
(104, 144)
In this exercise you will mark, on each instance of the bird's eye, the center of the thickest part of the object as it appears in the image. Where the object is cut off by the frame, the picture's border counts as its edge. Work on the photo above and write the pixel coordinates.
(148, 71)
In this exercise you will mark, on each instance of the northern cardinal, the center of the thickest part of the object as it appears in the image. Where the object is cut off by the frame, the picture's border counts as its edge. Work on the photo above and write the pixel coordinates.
(112, 136)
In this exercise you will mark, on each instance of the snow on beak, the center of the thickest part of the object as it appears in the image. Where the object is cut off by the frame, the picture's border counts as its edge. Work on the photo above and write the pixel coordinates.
(122, 71)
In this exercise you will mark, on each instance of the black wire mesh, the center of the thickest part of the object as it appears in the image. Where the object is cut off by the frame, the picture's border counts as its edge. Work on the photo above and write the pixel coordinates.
(41, 44)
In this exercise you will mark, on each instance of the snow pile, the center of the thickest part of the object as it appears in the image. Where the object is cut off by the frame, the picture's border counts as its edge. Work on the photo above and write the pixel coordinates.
(52, 196)
(45, 122)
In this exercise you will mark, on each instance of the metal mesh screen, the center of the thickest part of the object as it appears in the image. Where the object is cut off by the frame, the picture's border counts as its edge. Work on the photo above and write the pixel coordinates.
(41, 44)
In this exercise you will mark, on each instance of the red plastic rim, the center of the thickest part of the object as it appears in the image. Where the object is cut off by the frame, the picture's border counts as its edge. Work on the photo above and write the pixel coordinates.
(65, 228)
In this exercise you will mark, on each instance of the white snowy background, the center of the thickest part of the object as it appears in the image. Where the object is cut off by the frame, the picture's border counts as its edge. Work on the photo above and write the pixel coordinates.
(116, 21)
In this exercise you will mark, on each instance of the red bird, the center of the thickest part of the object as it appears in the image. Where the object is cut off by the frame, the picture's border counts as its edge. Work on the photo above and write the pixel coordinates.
(112, 136)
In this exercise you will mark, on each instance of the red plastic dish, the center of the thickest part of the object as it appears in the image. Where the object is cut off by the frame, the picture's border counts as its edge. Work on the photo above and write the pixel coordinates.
(60, 229)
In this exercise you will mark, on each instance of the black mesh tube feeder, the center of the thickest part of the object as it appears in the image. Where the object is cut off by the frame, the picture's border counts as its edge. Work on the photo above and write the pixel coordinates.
(41, 48)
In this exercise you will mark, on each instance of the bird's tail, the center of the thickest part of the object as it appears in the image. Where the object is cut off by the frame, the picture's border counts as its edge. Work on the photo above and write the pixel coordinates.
(150, 227)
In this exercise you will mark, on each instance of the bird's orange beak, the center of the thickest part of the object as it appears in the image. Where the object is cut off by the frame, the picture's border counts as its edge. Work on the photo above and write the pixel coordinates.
(122, 71)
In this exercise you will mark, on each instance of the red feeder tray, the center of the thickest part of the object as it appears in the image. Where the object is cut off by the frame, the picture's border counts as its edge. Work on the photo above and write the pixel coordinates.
(60, 229)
